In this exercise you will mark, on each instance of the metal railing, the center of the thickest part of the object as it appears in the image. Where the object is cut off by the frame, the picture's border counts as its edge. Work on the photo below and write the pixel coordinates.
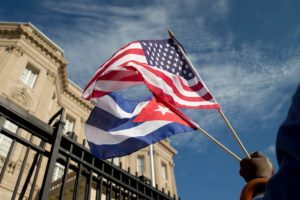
(38, 146)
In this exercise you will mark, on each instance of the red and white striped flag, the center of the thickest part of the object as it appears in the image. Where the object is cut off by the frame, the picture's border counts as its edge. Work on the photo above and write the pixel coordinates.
(160, 66)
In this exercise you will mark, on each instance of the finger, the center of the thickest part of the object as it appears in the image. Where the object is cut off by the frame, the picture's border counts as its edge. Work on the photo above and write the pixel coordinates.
(244, 162)
(257, 154)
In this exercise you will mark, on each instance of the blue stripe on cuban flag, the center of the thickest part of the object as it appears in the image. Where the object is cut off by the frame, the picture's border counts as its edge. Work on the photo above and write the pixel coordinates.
(112, 132)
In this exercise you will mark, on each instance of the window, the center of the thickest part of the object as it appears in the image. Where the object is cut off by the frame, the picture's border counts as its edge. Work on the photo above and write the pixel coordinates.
(69, 126)
(140, 164)
(58, 171)
(28, 76)
(5, 142)
(10, 126)
(164, 171)
(116, 161)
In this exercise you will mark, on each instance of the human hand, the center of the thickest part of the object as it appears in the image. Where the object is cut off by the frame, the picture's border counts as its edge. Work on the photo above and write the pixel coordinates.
(259, 166)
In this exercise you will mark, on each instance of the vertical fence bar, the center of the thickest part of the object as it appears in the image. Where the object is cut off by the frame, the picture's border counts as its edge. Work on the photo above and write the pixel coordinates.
(37, 171)
(87, 188)
(64, 179)
(120, 191)
(29, 175)
(89, 182)
(129, 183)
(99, 189)
(137, 188)
(110, 190)
(77, 181)
(21, 170)
(120, 187)
(57, 134)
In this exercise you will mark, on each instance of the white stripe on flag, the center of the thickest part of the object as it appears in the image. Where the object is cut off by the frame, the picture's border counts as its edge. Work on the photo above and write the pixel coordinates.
(134, 45)
(109, 105)
(113, 85)
(124, 59)
(100, 137)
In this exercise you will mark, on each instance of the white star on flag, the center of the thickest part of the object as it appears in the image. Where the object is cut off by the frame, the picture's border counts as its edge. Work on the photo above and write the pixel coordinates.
(163, 110)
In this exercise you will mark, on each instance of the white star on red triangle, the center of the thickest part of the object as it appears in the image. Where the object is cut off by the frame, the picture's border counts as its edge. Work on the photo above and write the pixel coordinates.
(162, 109)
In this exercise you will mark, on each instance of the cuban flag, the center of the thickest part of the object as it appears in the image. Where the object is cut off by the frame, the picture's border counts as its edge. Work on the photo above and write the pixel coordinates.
(119, 127)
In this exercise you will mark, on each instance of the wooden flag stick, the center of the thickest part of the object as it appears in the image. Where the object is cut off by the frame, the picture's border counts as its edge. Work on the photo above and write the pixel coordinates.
(172, 36)
(195, 125)
(218, 143)
(233, 132)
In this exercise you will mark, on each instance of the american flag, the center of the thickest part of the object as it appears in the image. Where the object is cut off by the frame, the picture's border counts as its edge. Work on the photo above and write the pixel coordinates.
(161, 66)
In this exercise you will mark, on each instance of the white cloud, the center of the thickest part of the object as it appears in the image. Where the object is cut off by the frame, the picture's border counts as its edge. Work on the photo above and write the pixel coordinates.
(206, 8)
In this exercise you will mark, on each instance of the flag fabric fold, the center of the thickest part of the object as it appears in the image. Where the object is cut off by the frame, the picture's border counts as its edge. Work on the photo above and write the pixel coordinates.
(118, 127)
(160, 66)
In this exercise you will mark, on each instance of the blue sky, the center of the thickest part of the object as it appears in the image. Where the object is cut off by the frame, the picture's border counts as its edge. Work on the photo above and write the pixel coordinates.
(247, 52)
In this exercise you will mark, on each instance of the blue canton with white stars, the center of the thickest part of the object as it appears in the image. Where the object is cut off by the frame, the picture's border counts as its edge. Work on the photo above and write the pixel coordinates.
(163, 54)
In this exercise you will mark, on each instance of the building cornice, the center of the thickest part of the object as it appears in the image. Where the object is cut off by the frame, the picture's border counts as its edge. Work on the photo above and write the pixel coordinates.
(41, 43)
(86, 104)
(166, 145)
(36, 37)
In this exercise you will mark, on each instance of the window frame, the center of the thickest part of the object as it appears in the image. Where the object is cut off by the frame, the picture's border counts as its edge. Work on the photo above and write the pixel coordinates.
(116, 161)
(164, 170)
(141, 166)
(30, 77)
(69, 120)
(57, 171)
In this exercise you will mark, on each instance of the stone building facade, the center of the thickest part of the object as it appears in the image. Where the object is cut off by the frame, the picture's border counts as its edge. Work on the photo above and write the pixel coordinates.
(33, 74)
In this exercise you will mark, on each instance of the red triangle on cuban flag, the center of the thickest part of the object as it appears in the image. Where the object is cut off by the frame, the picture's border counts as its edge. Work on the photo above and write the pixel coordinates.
(155, 110)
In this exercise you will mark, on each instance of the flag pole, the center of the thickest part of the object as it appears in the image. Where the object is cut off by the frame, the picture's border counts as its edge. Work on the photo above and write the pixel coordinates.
(233, 132)
(172, 36)
(195, 125)
(217, 142)
(152, 166)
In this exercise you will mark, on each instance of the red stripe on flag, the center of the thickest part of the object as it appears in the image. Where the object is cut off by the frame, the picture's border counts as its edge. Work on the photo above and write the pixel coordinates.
(169, 82)
(195, 87)
(97, 94)
(113, 60)
(117, 75)
(170, 99)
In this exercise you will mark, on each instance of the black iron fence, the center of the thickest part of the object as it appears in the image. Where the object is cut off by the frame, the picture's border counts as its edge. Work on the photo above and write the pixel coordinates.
(39, 146)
